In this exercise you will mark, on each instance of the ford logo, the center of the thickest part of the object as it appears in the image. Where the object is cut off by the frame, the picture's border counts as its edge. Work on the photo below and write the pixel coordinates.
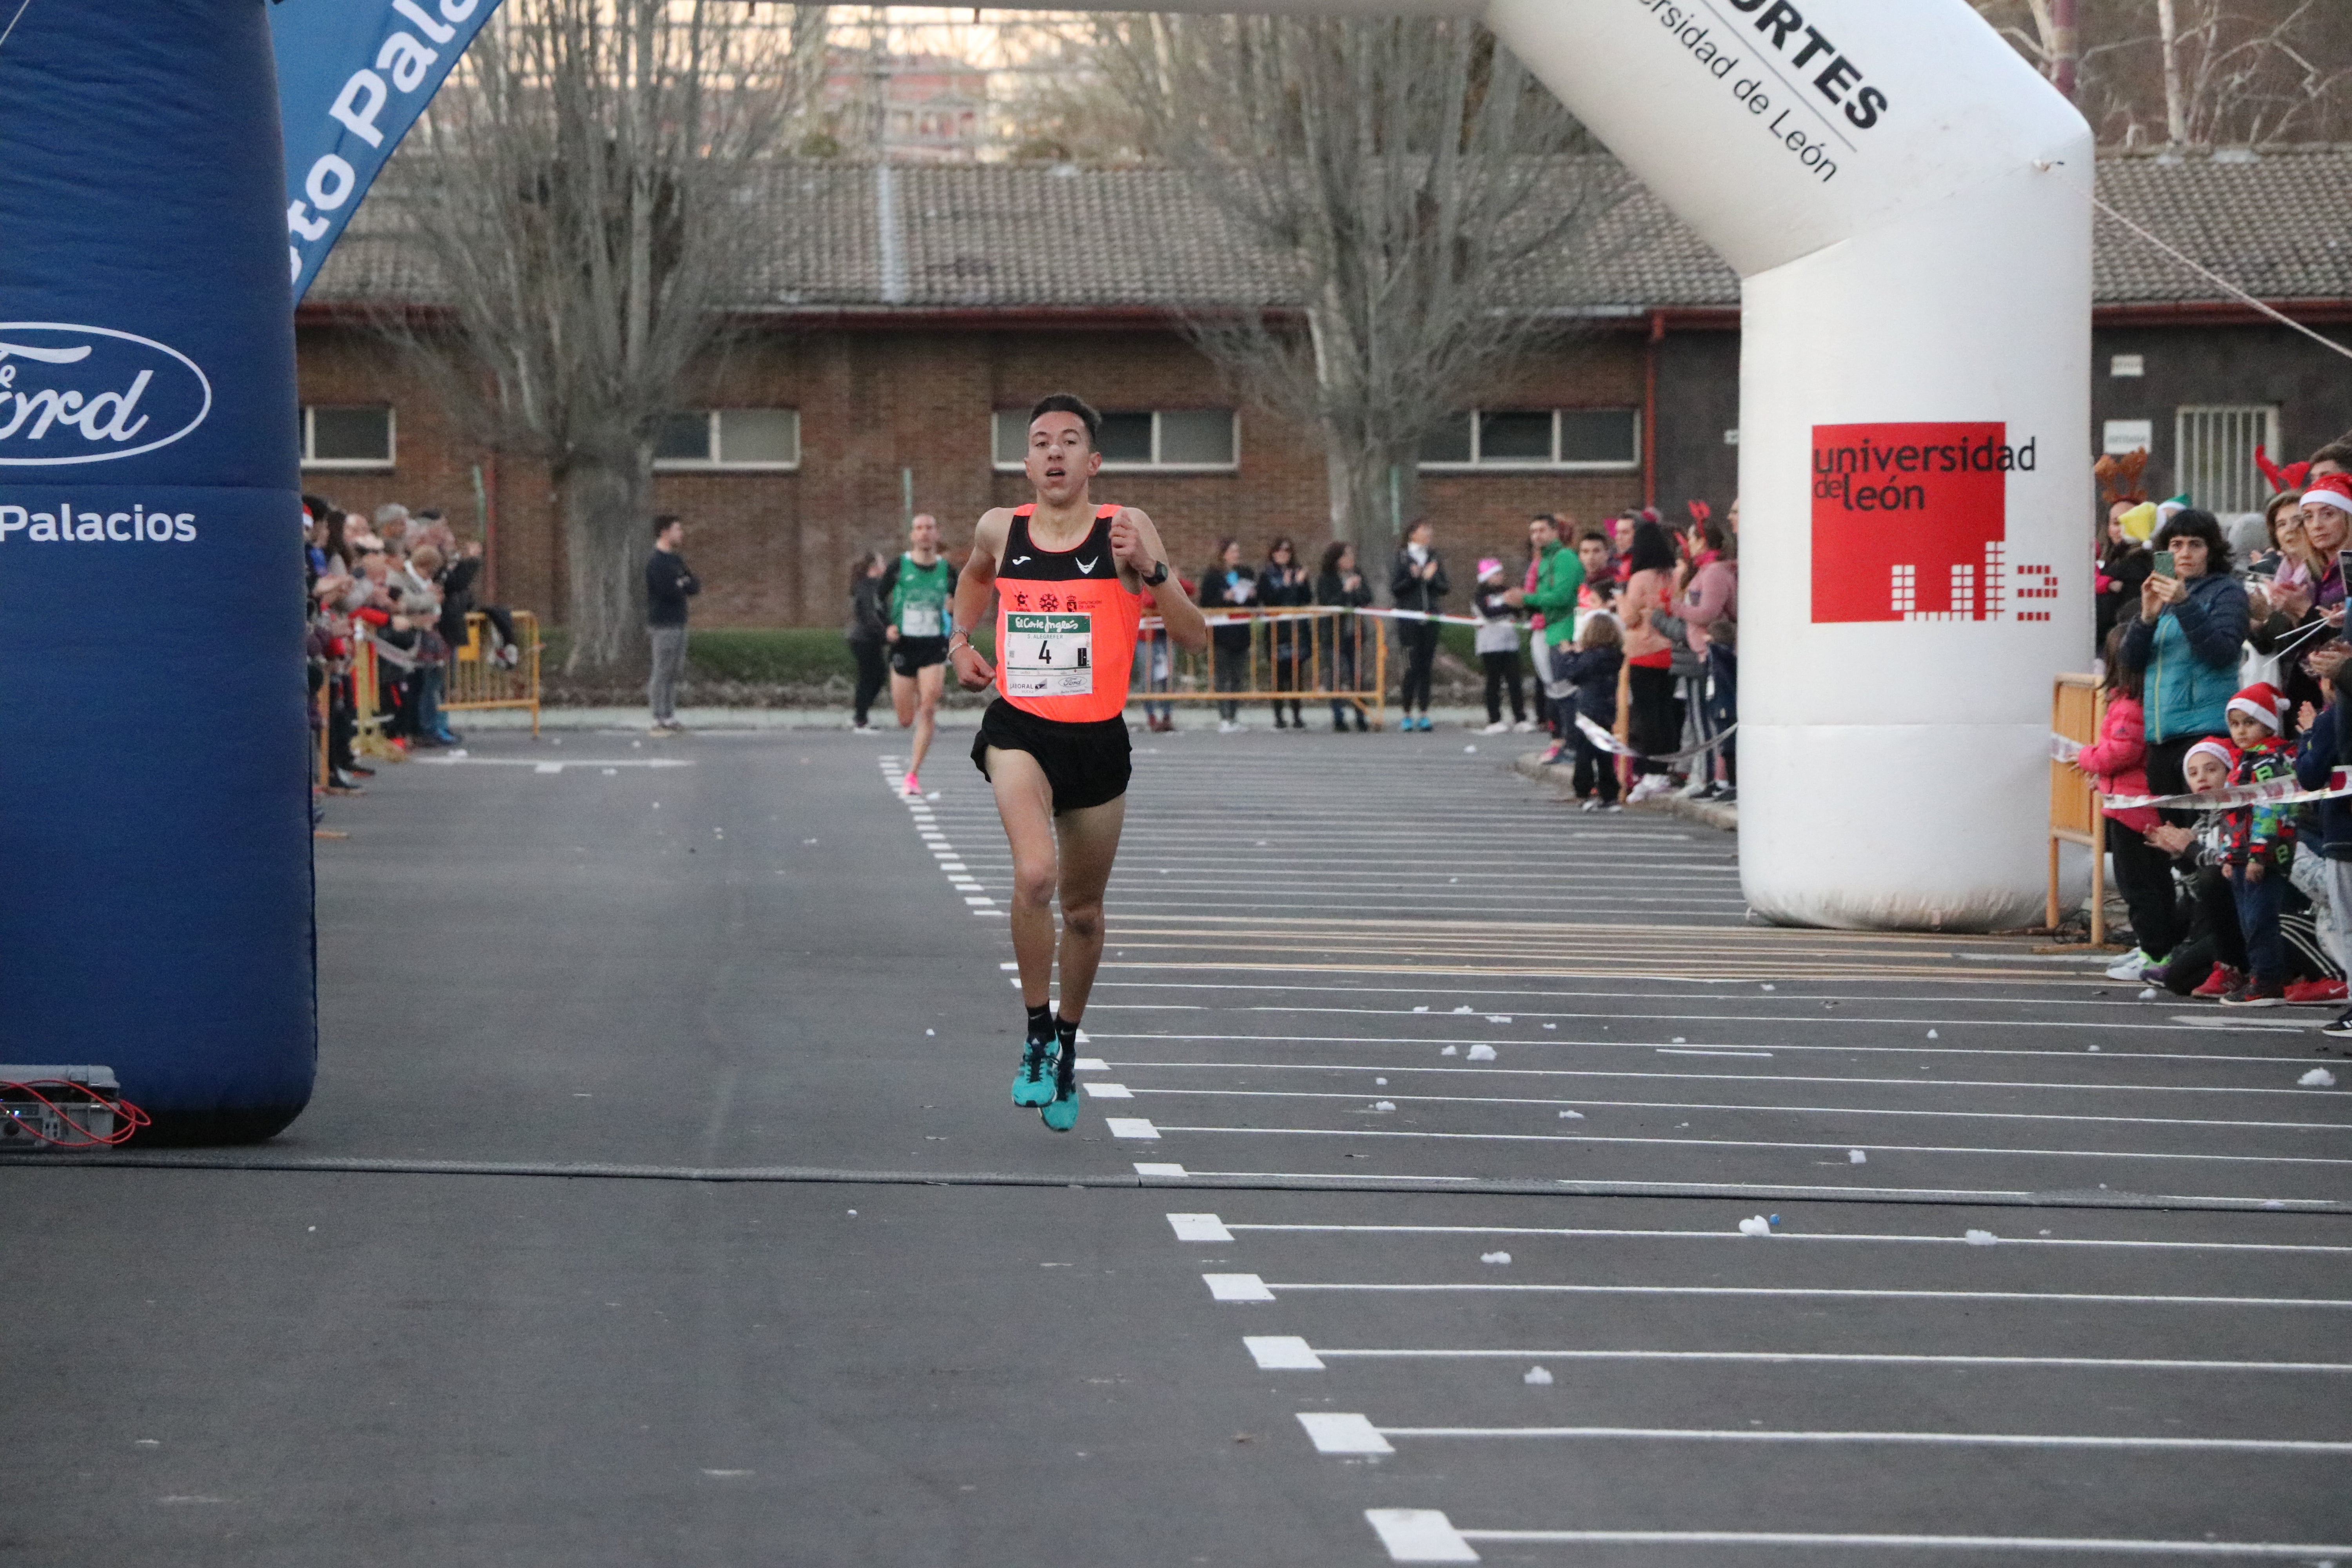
(86, 394)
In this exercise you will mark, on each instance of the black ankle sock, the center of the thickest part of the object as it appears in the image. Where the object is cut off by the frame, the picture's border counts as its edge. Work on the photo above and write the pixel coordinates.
(1041, 1022)
(1068, 1033)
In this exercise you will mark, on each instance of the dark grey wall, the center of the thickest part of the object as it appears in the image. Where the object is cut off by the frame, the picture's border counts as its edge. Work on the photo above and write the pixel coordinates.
(1698, 400)
(2198, 365)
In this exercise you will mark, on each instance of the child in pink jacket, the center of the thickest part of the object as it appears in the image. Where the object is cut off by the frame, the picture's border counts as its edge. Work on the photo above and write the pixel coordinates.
(2118, 760)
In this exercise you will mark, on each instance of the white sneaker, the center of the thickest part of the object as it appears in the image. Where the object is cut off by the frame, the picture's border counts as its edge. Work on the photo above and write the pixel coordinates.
(1524, 726)
(1496, 727)
(1589, 803)
(2132, 966)
(1227, 727)
(1649, 786)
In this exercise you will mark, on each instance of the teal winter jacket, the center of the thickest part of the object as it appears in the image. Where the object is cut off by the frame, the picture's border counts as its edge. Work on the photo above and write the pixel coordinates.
(2190, 656)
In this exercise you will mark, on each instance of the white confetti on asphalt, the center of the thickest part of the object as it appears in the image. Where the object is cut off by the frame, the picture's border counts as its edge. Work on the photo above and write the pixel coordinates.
(1494, 1258)
(2318, 1078)
(1759, 1225)
(1537, 1377)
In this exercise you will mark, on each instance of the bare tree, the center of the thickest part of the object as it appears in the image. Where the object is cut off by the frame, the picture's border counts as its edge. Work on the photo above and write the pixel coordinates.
(1412, 175)
(589, 195)
(2195, 73)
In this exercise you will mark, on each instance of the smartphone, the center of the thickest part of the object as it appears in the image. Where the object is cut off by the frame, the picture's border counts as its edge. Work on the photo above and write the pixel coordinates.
(2344, 566)
(2164, 563)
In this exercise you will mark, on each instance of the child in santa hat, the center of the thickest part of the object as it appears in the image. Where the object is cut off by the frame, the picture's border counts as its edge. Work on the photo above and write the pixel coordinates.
(2258, 844)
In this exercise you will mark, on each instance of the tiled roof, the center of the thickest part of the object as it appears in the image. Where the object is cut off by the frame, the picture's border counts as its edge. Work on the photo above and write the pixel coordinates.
(1013, 236)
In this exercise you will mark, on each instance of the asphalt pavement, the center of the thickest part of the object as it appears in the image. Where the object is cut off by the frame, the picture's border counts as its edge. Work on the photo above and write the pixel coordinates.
(1462, 1177)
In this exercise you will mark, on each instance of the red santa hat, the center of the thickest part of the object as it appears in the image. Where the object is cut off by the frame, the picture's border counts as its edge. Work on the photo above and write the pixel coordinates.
(2219, 750)
(2261, 702)
(2330, 489)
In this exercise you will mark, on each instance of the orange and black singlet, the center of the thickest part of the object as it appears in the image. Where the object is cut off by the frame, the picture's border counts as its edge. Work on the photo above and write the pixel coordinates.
(1065, 626)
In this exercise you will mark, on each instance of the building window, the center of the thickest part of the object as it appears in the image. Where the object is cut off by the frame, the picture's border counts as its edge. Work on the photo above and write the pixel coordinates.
(1186, 439)
(729, 439)
(347, 436)
(2215, 465)
(1584, 440)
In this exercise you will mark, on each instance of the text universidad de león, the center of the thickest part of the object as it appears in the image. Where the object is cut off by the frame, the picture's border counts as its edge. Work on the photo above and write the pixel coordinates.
(66, 526)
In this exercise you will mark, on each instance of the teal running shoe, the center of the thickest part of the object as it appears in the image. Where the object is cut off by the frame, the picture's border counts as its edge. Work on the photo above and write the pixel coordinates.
(1060, 1113)
(1033, 1084)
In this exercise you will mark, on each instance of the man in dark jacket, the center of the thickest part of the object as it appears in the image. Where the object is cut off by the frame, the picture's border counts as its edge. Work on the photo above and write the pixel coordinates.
(668, 586)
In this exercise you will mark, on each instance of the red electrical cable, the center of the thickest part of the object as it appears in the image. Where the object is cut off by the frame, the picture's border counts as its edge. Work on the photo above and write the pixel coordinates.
(128, 1118)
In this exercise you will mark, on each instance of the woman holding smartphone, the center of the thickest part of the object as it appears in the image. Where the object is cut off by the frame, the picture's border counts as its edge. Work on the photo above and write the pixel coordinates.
(2187, 637)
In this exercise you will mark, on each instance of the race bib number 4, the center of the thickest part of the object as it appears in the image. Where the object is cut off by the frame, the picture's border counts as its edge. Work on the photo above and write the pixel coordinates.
(919, 621)
(1049, 656)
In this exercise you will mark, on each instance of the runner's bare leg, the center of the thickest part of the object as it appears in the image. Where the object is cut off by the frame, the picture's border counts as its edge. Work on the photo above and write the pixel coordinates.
(929, 681)
(1089, 840)
(902, 697)
(1025, 802)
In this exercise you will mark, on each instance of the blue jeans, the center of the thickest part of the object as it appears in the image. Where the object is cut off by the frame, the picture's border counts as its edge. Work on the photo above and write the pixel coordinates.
(2259, 906)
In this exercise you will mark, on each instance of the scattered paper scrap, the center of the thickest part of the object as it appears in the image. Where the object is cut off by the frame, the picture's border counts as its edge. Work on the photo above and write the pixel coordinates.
(1494, 1258)
(1537, 1377)
(1486, 1054)
(1980, 1239)
(2318, 1078)
(1758, 1225)
(1571, 1116)
(1857, 1157)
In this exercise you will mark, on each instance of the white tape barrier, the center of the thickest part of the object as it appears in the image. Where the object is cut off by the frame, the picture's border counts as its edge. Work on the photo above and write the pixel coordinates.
(2275, 792)
(1420, 616)
(1617, 748)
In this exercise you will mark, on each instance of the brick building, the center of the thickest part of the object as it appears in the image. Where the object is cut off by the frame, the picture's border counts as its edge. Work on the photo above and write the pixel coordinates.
(906, 308)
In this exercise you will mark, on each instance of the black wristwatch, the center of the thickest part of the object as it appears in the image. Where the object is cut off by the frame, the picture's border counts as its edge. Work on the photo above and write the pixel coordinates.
(1158, 574)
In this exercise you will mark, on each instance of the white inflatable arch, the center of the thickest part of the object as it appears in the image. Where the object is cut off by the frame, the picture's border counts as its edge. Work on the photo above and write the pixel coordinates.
(1909, 206)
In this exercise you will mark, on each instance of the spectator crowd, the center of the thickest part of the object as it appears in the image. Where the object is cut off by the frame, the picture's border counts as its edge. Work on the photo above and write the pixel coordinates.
(2221, 647)
(1633, 628)
(400, 585)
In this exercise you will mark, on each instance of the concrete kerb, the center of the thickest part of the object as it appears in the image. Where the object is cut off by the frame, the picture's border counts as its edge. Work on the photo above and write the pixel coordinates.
(1563, 778)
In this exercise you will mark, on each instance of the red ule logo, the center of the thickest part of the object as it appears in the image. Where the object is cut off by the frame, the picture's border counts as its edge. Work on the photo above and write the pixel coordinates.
(1911, 523)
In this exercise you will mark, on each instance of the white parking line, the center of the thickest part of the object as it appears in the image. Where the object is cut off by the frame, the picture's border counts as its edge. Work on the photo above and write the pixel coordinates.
(1921, 1049)
(1779, 1110)
(1344, 1429)
(1795, 1237)
(1284, 1352)
(1428, 1535)
(1767, 1143)
(1257, 1283)
(1500, 1071)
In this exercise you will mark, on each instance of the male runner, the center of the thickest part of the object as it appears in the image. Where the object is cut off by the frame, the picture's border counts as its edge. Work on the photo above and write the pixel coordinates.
(915, 592)
(1069, 577)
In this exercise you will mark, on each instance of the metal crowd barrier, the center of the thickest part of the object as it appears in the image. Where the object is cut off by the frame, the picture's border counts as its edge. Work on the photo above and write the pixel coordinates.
(2076, 709)
(476, 680)
(1311, 653)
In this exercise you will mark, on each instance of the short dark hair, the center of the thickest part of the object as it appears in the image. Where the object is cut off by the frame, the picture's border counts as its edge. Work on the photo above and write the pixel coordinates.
(2339, 451)
(2201, 525)
(1070, 403)
(662, 522)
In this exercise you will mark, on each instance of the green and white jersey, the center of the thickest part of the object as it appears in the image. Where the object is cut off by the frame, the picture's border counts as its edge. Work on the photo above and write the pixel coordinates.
(919, 597)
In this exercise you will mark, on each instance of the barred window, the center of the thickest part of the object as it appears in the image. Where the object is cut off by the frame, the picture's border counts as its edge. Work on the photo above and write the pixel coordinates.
(347, 436)
(2215, 465)
(1182, 439)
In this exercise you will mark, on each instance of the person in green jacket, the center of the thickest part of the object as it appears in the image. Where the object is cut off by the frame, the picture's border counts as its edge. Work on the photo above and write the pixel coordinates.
(1558, 573)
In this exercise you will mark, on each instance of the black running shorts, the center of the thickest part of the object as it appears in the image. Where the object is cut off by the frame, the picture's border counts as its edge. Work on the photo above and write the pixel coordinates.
(1086, 764)
(909, 655)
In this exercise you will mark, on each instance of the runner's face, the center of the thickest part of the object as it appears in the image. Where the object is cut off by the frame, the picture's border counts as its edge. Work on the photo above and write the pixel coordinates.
(925, 534)
(1061, 459)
